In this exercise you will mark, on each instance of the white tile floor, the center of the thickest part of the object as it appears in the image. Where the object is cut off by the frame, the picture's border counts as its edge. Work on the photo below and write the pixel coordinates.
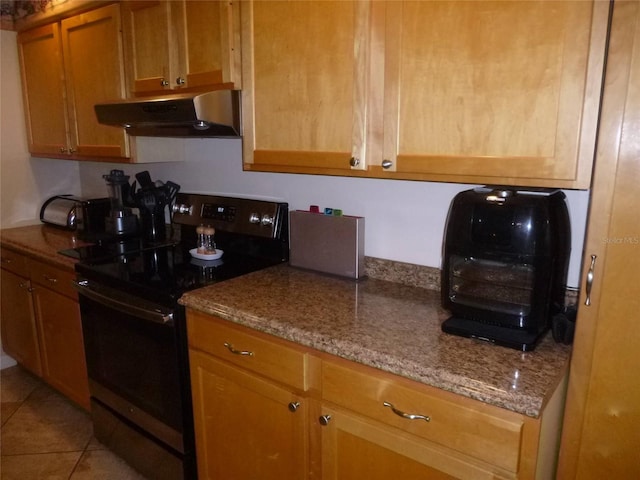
(45, 436)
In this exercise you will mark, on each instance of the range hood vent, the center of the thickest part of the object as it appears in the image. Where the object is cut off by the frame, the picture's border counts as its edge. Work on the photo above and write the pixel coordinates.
(210, 114)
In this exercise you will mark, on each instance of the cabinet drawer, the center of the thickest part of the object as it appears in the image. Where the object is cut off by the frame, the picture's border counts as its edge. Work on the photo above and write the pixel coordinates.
(14, 262)
(475, 429)
(245, 349)
(53, 278)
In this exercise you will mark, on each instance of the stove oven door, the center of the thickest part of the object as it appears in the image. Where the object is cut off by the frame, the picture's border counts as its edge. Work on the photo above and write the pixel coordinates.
(137, 370)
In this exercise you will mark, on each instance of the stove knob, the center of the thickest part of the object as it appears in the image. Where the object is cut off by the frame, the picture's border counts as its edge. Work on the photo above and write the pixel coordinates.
(182, 209)
(267, 219)
(254, 218)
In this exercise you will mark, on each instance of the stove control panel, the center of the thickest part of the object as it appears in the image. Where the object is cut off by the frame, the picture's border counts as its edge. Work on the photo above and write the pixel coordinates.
(263, 218)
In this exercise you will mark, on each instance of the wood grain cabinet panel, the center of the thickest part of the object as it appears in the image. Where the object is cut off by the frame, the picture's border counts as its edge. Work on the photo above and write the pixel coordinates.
(67, 67)
(40, 54)
(601, 430)
(473, 92)
(489, 434)
(61, 344)
(181, 45)
(304, 98)
(245, 425)
(335, 425)
(18, 322)
(494, 92)
(41, 325)
(94, 69)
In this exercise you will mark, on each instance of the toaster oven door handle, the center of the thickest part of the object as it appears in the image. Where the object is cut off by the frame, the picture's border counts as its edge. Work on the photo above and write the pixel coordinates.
(123, 303)
(589, 284)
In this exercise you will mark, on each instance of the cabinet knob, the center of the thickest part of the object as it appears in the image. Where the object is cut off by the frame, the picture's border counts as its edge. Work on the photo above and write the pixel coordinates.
(293, 406)
(324, 420)
(63, 150)
(164, 83)
(72, 151)
(354, 162)
(180, 81)
(387, 164)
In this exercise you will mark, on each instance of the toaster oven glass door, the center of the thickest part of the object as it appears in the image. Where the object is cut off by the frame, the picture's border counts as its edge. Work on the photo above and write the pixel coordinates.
(491, 285)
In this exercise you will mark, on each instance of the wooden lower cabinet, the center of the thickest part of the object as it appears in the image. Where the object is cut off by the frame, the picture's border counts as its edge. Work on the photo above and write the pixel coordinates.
(355, 447)
(61, 344)
(245, 425)
(19, 334)
(324, 418)
(41, 326)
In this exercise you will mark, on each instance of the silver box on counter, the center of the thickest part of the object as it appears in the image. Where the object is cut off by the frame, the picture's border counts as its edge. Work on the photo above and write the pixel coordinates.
(326, 243)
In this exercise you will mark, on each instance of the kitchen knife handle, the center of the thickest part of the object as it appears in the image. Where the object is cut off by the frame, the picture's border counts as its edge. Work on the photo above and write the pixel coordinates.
(590, 275)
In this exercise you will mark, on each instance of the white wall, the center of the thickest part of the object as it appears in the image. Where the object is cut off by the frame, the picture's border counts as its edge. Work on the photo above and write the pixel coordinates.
(404, 220)
(24, 182)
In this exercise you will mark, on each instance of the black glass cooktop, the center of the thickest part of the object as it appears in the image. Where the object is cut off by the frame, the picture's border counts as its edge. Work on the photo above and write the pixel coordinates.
(161, 273)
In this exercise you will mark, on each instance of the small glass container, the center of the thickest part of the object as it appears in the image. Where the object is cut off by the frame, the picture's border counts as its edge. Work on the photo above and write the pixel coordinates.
(206, 244)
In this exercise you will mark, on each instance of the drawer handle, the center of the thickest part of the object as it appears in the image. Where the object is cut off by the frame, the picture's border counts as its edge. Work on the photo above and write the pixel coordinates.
(590, 276)
(50, 279)
(408, 416)
(6, 261)
(237, 352)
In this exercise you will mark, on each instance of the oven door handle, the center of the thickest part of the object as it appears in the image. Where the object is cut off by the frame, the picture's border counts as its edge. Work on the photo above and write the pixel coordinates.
(122, 302)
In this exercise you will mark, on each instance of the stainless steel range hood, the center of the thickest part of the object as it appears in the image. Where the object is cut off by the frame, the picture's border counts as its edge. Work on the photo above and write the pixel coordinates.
(209, 114)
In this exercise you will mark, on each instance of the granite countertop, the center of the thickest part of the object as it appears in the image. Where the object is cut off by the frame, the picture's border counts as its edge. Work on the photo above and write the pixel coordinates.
(390, 326)
(42, 242)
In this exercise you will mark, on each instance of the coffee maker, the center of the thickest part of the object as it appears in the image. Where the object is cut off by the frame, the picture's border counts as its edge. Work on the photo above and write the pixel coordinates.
(121, 222)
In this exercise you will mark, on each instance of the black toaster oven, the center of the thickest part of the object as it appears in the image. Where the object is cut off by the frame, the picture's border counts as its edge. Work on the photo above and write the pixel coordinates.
(505, 262)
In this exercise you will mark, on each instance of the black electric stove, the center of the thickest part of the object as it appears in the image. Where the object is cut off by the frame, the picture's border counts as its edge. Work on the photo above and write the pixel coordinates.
(135, 331)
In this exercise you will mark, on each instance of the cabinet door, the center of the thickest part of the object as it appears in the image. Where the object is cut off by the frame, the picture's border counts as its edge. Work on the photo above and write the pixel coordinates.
(305, 85)
(212, 44)
(354, 448)
(246, 427)
(150, 45)
(181, 44)
(601, 430)
(94, 67)
(493, 92)
(61, 344)
(40, 53)
(19, 334)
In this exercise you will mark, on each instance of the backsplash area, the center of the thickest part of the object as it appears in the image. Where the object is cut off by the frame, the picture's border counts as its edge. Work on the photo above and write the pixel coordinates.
(404, 220)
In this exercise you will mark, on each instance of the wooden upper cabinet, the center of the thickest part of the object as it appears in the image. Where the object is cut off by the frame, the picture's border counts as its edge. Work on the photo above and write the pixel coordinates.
(67, 67)
(305, 92)
(181, 45)
(494, 92)
(94, 67)
(40, 53)
(476, 92)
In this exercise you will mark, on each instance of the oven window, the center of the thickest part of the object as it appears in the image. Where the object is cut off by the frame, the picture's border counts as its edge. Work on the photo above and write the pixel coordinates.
(134, 358)
(496, 286)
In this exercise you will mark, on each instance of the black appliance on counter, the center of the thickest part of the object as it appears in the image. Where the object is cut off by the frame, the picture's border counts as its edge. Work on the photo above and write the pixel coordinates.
(85, 215)
(505, 262)
(135, 331)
